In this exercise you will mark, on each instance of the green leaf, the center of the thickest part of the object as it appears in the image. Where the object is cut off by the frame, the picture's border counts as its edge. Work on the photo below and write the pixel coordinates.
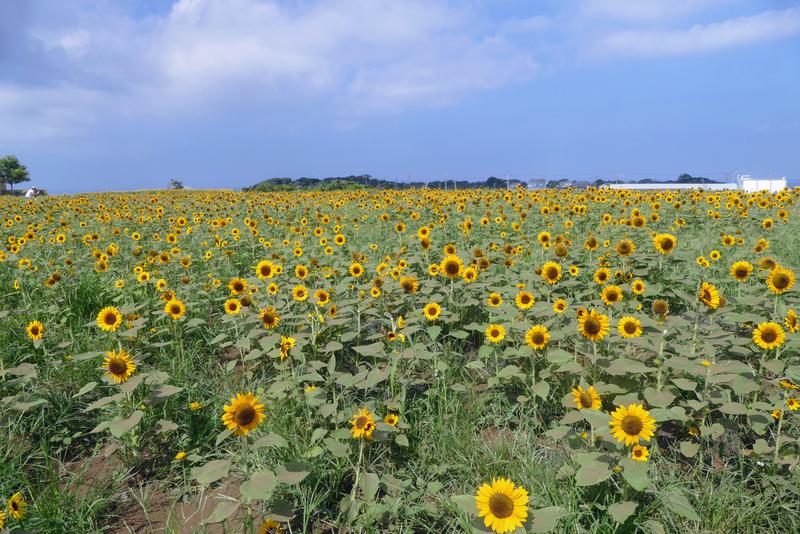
(121, 426)
(401, 439)
(678, 503)
(545, 519)
(222, 511)
(85, 389)
(373, 349)
(636, 473)
(269, 440)
(260, 486)
(211, 472)
(369, 483)
(592, 473)
(466, 503)
(689, 448)
(734, 408)
(333, 346)
(292, 473)
(337, 448)
(621, 511)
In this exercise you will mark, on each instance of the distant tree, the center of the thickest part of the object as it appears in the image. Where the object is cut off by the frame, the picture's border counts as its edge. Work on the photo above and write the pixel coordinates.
(12, 171)
(175, 184)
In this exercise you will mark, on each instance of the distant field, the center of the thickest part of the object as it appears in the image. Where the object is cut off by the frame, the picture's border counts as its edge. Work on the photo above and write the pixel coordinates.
(400, 361)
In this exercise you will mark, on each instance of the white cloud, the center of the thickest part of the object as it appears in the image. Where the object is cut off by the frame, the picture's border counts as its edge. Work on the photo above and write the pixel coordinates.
(701, 38)
(644, 9)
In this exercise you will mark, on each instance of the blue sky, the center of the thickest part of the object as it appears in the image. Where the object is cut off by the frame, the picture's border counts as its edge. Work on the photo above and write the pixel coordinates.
(125, 94)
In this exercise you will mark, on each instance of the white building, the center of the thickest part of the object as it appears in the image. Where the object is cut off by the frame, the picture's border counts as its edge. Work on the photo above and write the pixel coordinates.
(752, 185)
(743, 183)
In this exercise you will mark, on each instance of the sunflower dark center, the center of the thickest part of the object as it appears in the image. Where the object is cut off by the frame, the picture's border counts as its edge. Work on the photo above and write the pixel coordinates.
(501, 506)
(612, 296)
(495, 332)
(244, 415)
(14, 505)
(769, 335)
(110, 318)
(451, 267)
(780, 280)
(361, 422)
(175, 309)
(537, 338)
(525, 299)
(638, 452)
(632, 425)
(35, 330)
(666, 244)
(629, 327)
(265, 270)
(117, 366)
(741, 272)
(586, 399)
(552, 273)
(238, 286)
(592, 325)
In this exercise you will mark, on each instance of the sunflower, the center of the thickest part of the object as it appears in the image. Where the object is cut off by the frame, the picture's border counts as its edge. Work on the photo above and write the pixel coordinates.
(356, 270)
(741, 270)
(451, 266)
(792, 403)
(709, 295)
(2, 519)
(232, 306)
(503, 505)
(791, 321)
(175, 309)
(780, 280)
(109, 319)
(432, 311)
(625, 247)
(410, 284)
(593, 325)
(495, 333)
(611, 294)
(637, 287)
(321, 297)
(769, 335)
(470, 274)
(664, 243)
(265, 269)
(243, 414)
(287, 344)
(524, 300)
(660, 308)
(639, 453)
(602, 275)
(269, 317)
(16, 506)
(362, 425)
(270, 526)
(391, 419)
(586, 399)
(494, 300)
(632, 423)
(560, 306)
(551, 272)
(35, 330)
(537, 337)
(629, 327)
(237, 286)
(119, 366)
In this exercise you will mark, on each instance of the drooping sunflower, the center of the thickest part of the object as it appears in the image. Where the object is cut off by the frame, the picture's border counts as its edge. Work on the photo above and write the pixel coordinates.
(780, 280)
(632, 423)
(17, 506)
(269, 317)
(432, 311)
(451, 267)
(495, 333)
(502, 505)
(740, 270)
(629, 327)
(362, 425)
(593, 325)
(769, 335)
(410, 284)
(243, 414)
(551, 272)
(119, 366)
(791, 321)
(524, 300)
(537, 337)
(611, 294)
(664, 243)
(232, 306)
(660, 308)
(175, 309)
(639, 453)
(35, 330)
(709, 295)
(586, 399)
(109, 319)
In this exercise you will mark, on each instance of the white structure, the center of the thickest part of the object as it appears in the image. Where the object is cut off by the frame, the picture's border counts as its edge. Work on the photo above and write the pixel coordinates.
(752, 185)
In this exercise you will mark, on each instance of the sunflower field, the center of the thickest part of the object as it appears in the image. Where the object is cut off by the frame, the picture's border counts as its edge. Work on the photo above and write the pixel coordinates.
(400, 361)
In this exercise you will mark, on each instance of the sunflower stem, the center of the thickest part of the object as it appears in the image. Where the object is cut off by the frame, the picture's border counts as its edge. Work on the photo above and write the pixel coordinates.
(358, 470)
